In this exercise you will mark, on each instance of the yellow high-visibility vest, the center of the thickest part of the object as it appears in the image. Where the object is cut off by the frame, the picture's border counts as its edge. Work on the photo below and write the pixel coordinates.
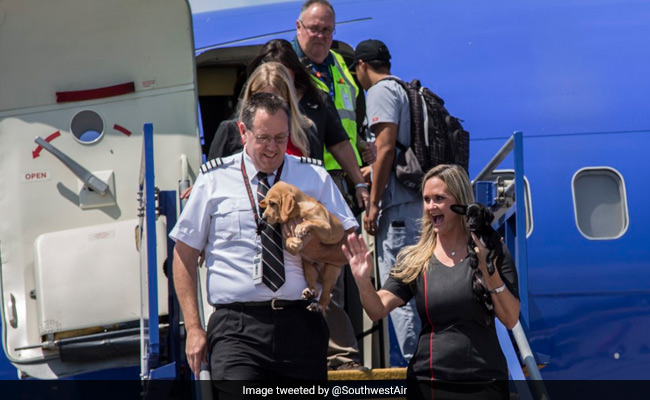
(345, 101)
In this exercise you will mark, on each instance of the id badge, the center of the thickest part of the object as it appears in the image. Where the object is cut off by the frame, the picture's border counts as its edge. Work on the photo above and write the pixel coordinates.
(257, 268)
(347, 101)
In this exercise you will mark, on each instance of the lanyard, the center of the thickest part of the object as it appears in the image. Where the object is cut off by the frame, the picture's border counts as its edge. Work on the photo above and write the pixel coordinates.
(258, 221)
(328, 82)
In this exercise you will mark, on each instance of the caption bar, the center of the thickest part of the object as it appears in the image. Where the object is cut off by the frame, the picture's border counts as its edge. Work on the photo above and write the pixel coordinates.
(325, 391)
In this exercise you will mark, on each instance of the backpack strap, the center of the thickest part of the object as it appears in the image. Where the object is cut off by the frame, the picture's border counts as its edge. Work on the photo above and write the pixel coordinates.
(405, 87)
(400, 146)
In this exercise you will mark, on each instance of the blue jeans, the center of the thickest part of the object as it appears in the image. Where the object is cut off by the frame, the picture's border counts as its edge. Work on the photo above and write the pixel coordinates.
(398, 226)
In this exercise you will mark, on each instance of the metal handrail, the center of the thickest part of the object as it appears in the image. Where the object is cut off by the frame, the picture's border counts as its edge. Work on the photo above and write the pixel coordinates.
(528, 359)
(496, 160)
(515, 142)
(147, 177)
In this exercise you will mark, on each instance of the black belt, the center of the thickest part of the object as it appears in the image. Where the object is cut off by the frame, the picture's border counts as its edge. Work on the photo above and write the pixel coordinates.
(275, 304)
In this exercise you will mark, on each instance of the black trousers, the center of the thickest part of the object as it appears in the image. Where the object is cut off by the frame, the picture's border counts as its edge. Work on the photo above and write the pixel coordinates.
(258, 343)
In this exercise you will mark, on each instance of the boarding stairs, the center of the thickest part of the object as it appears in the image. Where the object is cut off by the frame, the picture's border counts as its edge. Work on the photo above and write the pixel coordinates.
(491, 189)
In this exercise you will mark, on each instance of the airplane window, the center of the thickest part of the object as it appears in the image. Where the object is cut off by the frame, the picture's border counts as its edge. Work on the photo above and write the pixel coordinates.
(87, 127)
(600, 203)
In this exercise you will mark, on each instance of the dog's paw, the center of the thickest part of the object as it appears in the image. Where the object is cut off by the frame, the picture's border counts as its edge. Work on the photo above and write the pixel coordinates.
(301, 231)
(308, 294)
(293, 245)
(315, 307)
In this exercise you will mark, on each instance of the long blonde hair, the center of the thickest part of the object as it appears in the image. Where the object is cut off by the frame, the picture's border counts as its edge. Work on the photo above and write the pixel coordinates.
(412, 260)
(277, 76)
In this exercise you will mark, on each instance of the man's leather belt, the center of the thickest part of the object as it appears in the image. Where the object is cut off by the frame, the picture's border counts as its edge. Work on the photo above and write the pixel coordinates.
(275, 304)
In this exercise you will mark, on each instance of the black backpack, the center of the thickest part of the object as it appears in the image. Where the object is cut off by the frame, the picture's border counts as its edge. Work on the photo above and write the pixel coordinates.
(436, 136)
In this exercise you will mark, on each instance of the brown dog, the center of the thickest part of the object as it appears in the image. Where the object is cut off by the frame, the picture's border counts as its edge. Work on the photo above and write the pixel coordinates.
(284, 202)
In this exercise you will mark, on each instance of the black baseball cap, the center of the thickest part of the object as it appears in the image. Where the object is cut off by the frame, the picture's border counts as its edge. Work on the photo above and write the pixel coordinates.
(370, 50)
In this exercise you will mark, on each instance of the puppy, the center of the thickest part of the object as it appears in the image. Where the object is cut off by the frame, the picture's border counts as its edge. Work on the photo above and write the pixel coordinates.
(479, 220)
(284, 202)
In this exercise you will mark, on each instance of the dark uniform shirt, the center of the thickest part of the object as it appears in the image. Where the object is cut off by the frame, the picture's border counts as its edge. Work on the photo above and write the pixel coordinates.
(458, 341)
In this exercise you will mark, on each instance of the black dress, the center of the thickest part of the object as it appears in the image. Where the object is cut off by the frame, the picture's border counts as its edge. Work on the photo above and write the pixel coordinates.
(327, 129)
(458, 342)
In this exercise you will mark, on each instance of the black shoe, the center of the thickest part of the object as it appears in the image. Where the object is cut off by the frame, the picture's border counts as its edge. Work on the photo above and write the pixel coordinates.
(350, 366)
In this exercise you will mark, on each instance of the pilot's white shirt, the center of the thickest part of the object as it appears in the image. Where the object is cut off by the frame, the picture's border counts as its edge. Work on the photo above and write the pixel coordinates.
(218, 217)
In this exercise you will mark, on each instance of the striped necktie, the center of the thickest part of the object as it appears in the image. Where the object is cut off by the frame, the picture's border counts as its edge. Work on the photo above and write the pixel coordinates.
(272, 254)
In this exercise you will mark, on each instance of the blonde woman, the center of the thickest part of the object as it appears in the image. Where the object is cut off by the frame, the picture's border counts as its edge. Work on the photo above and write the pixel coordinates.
(273, 77)
(458, 344)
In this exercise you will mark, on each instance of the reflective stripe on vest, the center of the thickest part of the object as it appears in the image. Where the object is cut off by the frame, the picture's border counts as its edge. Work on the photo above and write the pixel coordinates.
(345, 98)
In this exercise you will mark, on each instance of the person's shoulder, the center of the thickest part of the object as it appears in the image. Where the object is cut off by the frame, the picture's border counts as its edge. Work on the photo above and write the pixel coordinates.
(305, 170)
(227, 124)
(305, 160)
(314, 99)
(389, 82)
(217, 163)
(388, 88)
(506, 251)
(384, 90)
(336, 55)
(336, 59)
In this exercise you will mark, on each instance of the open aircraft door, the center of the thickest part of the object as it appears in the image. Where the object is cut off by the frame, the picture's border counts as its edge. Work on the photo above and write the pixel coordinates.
(84, 76)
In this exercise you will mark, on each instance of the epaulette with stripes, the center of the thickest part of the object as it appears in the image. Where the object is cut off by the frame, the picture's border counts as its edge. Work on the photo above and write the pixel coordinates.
(309, 160)
(212, 164)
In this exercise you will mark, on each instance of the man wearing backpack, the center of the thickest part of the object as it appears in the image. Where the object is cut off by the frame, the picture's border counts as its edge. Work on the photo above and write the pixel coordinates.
(394, 208)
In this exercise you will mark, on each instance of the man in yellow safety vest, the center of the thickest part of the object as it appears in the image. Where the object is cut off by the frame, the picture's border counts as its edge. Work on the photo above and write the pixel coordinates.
(314, 35)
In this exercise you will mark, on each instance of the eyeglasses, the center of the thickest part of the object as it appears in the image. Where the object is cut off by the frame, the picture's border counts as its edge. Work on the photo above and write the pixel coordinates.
(266, 139)
(314, 31)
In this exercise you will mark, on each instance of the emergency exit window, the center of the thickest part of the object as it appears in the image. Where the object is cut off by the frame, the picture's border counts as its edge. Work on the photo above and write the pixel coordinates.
(600, 203)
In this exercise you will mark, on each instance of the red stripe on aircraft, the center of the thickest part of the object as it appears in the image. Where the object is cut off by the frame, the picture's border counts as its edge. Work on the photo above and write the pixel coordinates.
(92, 94)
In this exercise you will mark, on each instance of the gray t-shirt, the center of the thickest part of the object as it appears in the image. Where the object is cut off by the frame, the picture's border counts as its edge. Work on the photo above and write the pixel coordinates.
(386, 101)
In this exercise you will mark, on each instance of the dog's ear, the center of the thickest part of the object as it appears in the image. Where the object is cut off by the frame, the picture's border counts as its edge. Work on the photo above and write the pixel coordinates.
(488, 217)
(289, 208)
(459, 209)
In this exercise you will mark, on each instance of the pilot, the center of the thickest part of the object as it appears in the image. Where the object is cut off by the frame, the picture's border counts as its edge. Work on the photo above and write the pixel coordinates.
(260, 329)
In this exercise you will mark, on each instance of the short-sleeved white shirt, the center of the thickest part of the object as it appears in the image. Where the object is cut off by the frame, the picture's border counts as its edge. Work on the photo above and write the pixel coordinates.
(387, 101)
(218, 217)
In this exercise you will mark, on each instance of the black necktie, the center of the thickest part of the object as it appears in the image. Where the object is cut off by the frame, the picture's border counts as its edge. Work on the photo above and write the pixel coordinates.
(272, 255)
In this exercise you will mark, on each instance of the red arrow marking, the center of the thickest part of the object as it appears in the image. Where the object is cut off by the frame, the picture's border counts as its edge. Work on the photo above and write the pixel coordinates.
(53, 136)
(122, 129)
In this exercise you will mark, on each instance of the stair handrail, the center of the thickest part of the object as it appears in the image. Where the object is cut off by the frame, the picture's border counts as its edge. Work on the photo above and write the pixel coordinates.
(515, 142)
